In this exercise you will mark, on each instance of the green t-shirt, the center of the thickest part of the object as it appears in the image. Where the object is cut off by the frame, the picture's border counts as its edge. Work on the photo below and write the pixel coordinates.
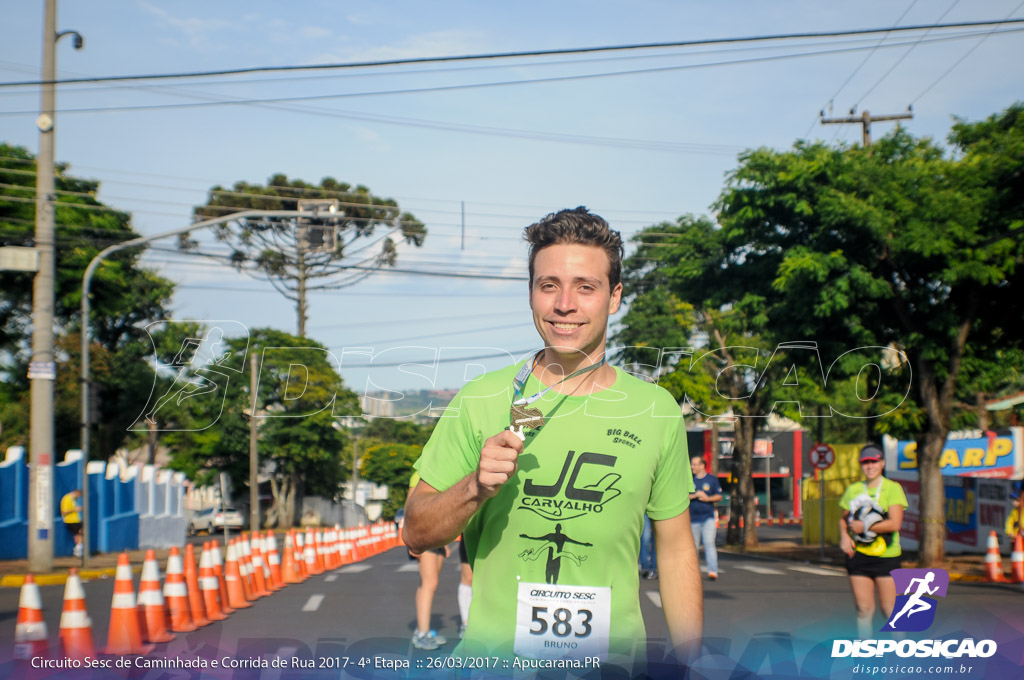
(555, 551)
(890, 494)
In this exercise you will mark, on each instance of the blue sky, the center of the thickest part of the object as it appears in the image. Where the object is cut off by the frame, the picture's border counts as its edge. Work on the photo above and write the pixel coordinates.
(637, 148)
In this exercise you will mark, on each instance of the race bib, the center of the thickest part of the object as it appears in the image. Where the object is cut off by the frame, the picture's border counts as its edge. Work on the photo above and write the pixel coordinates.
(553, 621)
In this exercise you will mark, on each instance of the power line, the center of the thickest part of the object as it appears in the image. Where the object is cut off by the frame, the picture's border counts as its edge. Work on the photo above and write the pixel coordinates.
(469, 86)
(449, 360)
(443, 334)
(871, 54)
(26, 68)
(503, 55)
(902, 57)
(965, 55)
(424, 319)
(362, 293)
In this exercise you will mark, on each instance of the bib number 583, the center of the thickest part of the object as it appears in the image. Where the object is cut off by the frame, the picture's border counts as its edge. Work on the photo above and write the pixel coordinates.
(562, 622)
(556, 621)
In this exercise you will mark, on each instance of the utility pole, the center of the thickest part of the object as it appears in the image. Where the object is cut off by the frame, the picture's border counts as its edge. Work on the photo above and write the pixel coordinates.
(865, 120)
(43, 370)
(254, 488)
(355, 466)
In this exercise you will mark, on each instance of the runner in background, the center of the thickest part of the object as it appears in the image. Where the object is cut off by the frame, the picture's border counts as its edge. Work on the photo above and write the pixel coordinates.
(1013, 526)
(648, 551)
(465, 586)
(430, 563)
(869, 534)
(702, 512)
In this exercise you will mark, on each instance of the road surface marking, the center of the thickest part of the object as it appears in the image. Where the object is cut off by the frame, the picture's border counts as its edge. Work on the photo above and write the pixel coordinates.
(760, 570)
(330, 578)
(313, 603)
(411, 566)
(817, 570)
(355, 568)
(655, 598)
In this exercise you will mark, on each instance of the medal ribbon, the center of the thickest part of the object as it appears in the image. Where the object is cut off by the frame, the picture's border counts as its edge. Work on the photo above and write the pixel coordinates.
(519, 382)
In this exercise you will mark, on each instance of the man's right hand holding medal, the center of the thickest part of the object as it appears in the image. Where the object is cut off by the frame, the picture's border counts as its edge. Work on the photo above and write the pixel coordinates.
(497, 462)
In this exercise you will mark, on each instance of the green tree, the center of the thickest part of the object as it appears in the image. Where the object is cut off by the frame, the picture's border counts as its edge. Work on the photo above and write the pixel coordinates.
(390, 464)
(899, 245)
(679, 297)
(299, 396)
(269, 247)
(125, 296)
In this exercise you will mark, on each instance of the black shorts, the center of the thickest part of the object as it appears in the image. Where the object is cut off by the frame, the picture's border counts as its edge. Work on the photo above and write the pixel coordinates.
(870, 566)
(439, 551)
(74, 527)
(463, 557)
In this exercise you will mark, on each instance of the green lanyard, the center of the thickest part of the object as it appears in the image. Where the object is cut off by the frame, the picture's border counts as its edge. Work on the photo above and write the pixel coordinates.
(519, 382)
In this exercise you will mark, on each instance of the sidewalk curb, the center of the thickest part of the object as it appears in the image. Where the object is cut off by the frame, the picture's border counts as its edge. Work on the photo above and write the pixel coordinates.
(17, 581)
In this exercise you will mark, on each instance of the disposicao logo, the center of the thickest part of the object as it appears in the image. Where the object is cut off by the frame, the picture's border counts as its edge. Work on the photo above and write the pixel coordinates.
(914, 611)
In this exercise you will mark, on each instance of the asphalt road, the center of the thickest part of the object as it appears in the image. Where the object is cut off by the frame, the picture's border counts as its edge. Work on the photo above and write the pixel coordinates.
(761, 614)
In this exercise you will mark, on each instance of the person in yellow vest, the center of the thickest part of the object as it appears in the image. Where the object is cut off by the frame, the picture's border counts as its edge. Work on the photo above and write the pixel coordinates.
(71, 513)
(869, 534)
(1013, 526)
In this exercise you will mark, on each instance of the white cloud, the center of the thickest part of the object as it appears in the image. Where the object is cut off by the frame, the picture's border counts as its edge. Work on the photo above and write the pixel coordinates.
(435, 44)
(196, 29)
(314, 32)
(371, 136)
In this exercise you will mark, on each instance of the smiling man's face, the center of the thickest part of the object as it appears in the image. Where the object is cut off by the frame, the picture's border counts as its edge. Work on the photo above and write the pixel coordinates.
(571, 298)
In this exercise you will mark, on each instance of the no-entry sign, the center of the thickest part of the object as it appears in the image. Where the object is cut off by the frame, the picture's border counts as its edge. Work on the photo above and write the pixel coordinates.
(822, 456)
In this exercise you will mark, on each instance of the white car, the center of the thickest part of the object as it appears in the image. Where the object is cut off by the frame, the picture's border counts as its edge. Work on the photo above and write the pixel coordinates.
(215, 519)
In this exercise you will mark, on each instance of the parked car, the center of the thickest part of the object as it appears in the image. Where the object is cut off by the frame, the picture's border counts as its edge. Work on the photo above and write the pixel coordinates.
(215, 519)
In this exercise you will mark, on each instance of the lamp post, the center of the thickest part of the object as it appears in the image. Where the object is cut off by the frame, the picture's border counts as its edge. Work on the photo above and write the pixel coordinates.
(42, 369)
(86, 283)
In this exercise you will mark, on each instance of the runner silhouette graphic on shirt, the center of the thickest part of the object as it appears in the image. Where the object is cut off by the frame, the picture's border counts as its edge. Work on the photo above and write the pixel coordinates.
(915, 604)
(554, 562)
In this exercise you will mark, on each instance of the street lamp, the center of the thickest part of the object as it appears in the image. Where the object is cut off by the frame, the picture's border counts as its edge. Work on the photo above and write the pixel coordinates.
(42, 369)
(85, 380)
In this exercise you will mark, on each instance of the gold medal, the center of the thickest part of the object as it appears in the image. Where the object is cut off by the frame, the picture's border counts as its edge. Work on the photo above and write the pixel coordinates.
(522, 418)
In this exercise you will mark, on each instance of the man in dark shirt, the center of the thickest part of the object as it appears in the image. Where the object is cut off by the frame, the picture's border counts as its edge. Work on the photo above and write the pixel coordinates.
(702, 512)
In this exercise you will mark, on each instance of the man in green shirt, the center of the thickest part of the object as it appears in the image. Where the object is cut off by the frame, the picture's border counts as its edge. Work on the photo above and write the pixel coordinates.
(548, 467)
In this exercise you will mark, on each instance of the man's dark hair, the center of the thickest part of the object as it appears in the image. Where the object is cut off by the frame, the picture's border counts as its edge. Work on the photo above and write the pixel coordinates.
(577, 226)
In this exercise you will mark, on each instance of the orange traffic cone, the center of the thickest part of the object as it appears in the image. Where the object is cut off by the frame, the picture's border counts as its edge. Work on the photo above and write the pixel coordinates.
(300, 556)
(993, 561)
(245, 569)
(176, 594)
(259, 577)
(30, 636)
(1017, 558)
(319, 550)
(75, 625)
(152, 609)
(310, 555)
(289, 574)
(274, 561)
(195, 595)
(124, 636)
(233, 580)
(218, 571)
(209, 586)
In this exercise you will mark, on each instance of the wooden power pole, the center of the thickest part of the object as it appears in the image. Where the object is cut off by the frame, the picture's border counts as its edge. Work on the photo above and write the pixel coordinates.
(865, 120)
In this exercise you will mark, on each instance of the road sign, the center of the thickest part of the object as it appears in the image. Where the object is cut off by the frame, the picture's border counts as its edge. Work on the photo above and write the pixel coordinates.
(42, 370)
(823, 456)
